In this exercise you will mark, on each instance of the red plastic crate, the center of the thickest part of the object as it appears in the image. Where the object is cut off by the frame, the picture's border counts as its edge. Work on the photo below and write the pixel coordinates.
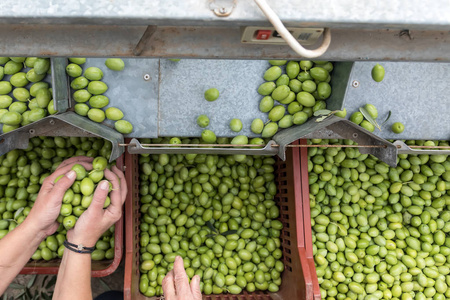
(296, 279)
(99, 268)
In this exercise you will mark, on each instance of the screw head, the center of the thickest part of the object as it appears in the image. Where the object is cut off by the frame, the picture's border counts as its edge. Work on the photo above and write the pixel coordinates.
(355, 83)
(146, 77)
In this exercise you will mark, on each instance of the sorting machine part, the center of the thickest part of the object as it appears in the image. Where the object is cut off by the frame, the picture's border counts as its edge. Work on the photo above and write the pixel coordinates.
(65, 124)
(60, 84)
(331, 128)
(338, 128)
(135, 147)
(405, 149)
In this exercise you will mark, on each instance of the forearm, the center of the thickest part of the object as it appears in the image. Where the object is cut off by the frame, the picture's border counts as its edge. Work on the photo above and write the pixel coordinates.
(74, 277)
(16, 248)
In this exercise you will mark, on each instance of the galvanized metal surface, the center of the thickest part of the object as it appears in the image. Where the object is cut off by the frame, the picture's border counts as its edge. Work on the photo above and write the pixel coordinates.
(405, 149)
(344, 13)
(416, 93)
(136, 148)
(182, 88)
(134, 90)
(214, 43)
(413, 91)
(183, 84)
(335, 127)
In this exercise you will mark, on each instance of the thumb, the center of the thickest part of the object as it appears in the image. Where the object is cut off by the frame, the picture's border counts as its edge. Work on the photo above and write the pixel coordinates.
(195, 288)
(100, 194)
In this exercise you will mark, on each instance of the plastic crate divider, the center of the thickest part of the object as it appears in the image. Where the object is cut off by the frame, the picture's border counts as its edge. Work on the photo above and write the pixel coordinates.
(128, 228)
(300, 222)
(307, 218)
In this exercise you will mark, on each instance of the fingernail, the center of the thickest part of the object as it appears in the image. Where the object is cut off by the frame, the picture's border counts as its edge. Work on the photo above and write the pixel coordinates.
(71, 174)
(104, 185)
(178, 258)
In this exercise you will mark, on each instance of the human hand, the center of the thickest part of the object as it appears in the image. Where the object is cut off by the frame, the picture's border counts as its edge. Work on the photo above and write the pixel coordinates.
(47, 206)
(176, 284)
(96, 220)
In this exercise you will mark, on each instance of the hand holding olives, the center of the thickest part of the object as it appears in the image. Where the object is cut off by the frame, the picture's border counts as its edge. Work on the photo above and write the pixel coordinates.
(48, 203)
(95, 220)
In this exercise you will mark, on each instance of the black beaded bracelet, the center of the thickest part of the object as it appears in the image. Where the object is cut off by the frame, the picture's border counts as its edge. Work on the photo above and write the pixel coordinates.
(79, 248)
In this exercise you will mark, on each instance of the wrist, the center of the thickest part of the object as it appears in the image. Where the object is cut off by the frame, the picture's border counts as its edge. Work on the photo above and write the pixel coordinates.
(77, 239)
(34, 228)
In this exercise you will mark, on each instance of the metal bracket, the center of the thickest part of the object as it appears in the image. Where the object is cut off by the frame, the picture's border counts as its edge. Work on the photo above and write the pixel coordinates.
(405, 149)
(222, 8)
(60, 84)
(65, 124)
(331, 128)
(337, 128)
(135, 147)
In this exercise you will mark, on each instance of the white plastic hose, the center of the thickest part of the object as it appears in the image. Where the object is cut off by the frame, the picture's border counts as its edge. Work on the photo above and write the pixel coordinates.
(287, 36)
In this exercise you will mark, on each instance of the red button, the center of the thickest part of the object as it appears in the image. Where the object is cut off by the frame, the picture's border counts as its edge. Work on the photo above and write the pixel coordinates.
(263, 34)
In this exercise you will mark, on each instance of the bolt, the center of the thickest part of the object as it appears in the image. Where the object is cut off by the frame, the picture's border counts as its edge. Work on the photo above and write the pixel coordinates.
(31, 131)
(52, 122)
(355, 135)
(355, 83)
(146, 77)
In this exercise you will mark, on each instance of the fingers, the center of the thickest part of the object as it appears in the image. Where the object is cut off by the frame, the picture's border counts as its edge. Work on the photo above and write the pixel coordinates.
(100, 194)
(116, 198)
(123, 182)
(59, 188)
(195, 288)
(49, 182)
(181, 278)
(75, 160)
(168, 286)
